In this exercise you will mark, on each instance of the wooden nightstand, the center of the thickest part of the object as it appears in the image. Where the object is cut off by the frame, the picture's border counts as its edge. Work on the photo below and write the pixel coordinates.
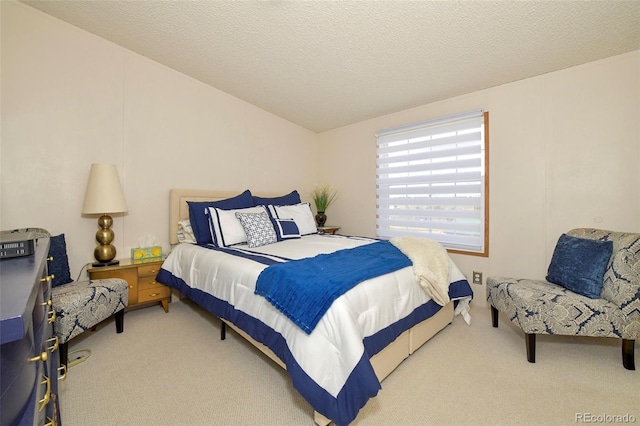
(328, 229)
(141, 276)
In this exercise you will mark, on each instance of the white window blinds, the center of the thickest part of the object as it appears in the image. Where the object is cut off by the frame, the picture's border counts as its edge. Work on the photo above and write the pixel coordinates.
(431, 181)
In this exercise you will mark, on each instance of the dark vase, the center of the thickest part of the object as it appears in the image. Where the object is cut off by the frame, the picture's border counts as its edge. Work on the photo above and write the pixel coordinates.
(321, 218)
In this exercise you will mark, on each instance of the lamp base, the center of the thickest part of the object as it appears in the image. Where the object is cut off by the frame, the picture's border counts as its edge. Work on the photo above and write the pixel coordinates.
(105, 252)
(109, 263)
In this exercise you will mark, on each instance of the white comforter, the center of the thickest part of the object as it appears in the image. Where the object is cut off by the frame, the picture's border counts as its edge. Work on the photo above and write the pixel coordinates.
(330, 352)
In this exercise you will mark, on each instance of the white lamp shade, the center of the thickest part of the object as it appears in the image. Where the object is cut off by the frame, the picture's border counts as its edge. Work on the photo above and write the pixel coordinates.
(104, 192)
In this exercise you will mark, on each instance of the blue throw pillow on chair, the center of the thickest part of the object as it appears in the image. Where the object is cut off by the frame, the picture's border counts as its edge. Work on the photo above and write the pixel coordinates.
(579, 264)
(59, 266)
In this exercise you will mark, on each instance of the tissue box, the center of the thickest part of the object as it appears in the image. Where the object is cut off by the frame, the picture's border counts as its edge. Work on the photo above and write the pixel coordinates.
(146, 252)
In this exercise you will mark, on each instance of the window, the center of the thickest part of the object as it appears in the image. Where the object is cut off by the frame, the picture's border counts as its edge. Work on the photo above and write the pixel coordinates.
(432, 181)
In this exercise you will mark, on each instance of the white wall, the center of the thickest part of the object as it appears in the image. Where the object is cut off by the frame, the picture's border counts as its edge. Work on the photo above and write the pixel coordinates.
(564, 153)
(70, 99)
(564, 147)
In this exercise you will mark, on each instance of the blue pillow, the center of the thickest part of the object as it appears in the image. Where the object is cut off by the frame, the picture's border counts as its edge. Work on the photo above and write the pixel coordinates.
(578, 264)
(285, 200)
(59, 266)
(286, 229)
(198, 217)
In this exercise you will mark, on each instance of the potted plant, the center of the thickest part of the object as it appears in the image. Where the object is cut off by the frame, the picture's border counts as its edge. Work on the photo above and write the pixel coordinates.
(323, 196)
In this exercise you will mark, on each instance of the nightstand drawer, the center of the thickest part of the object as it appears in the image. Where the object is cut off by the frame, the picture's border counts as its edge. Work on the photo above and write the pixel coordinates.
(149, 270)
(154, 293)
(147, 283)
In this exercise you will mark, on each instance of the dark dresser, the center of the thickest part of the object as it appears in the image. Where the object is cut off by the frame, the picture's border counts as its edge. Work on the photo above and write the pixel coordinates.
(29, 350)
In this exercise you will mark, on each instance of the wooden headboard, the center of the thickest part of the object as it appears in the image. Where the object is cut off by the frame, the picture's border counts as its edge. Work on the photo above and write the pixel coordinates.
(179, 210)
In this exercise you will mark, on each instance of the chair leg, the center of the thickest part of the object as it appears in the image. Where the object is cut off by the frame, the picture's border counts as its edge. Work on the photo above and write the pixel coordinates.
(628, 347)
(494, 317)
(119, 321)
(531, 347)
(64, 353)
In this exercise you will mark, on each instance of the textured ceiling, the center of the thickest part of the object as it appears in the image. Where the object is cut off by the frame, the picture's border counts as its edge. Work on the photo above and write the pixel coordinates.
(324, 64)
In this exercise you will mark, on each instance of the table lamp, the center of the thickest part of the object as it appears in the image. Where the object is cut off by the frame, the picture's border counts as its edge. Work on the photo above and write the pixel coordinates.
(103, 196)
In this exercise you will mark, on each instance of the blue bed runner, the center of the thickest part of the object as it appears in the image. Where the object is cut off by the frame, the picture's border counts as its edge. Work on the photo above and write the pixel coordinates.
(304, 289)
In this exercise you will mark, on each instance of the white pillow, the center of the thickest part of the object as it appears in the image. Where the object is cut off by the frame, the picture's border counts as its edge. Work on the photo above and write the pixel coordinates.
(258, 228)
(226, 228)
(300, 213)
(185, 233)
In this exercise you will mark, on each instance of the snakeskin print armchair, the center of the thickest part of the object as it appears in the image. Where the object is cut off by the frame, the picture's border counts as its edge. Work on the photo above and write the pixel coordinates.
(80, 305)
(542, 307)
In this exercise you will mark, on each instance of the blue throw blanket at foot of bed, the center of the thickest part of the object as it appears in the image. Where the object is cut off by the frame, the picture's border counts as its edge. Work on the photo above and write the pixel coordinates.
(304, 289)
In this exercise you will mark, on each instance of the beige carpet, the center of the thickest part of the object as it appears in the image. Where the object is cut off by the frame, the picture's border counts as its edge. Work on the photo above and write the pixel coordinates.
(172, 369)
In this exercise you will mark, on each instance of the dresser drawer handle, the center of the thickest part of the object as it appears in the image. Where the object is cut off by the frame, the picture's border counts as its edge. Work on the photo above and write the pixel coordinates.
(154, 294)
(62, 373)
(54, 347)
(51, 316)
(47, 396)
(42, 357)
(47, 279)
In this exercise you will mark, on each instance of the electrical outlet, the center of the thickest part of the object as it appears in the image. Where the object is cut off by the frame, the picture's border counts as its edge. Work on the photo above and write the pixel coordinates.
(477, 277)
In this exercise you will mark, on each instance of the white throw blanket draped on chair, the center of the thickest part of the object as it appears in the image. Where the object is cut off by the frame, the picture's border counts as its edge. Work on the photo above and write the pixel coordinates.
(430, 265)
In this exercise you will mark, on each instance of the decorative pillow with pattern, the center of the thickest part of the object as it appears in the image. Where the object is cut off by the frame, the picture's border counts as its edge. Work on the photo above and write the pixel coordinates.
(258, 228)
(185, 232)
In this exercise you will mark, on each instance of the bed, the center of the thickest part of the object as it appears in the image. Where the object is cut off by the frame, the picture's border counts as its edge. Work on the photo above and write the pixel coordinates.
(337, 363)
